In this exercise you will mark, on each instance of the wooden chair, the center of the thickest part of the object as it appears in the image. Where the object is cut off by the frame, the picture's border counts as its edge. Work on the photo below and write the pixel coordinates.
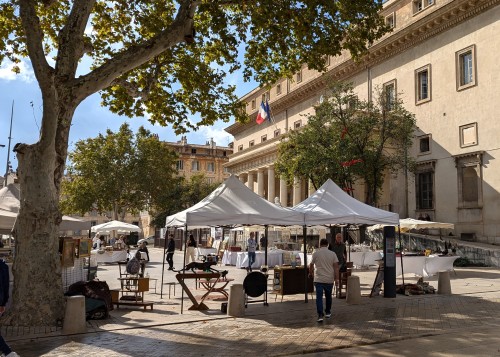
(341, 289)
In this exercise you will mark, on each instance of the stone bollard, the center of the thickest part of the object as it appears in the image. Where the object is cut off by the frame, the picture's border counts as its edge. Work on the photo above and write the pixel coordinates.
(74, 315)
(236, 303)
(444, 286)
(353, 295)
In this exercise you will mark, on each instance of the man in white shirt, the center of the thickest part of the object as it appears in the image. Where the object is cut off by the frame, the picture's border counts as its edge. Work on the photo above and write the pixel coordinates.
(325, 269)
(251, 248)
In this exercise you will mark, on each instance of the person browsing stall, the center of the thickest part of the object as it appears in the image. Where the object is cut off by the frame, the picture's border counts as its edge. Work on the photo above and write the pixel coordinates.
(170, 252)
(324, 268)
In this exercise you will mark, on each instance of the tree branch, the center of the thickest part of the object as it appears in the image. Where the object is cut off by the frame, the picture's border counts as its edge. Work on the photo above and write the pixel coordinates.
(134, 56)
(34, 43)
(71, 43)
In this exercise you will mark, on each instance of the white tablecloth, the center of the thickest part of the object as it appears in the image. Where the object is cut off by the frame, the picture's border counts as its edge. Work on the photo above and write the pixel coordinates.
(205, 251)
(434, 264)
(273, 258)
(364, 259)
(229, 258)
(110, 256)
(425, 266)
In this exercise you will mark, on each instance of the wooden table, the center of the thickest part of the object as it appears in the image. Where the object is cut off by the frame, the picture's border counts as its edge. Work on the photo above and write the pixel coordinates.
(211, 286)
(214, 277)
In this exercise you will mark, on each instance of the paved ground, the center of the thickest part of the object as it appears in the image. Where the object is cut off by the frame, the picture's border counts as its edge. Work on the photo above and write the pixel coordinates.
(463, 324)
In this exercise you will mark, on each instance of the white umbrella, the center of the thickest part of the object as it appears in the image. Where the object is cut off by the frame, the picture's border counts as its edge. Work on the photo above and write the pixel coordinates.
(115, 226)
(410, 223)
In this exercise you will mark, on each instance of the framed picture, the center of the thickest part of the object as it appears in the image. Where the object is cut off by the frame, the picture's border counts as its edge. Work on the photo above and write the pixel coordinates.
(68, 252)
(85, 247)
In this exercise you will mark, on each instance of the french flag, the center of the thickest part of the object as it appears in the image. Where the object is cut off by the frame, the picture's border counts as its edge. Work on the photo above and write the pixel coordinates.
(264, 113)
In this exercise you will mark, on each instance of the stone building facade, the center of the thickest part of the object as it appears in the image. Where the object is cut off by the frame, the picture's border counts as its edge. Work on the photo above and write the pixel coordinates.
(441, 60)
(208, 159)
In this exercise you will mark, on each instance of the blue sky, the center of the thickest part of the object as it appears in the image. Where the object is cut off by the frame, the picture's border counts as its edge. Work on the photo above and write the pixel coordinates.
(89, 120)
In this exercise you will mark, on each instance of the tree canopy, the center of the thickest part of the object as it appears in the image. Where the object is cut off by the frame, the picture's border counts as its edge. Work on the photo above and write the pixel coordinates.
(348, 139)
(119, 173)
(169, 58)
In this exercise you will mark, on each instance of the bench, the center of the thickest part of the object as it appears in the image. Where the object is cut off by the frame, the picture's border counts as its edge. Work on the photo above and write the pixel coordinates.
(144, 304)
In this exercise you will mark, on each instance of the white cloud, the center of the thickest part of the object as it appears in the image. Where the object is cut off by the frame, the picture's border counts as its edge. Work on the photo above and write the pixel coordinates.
(26, 74)
(221, 137)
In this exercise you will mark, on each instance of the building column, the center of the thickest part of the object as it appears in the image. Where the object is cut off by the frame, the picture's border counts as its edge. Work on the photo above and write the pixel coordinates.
(311, 188)
(270, 184)
(260, 182)
(250, 180)
(241, 177)
(283, 192)
(297, 189)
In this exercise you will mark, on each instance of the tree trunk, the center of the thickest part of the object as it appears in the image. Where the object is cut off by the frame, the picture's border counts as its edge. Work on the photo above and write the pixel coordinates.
(37, 298)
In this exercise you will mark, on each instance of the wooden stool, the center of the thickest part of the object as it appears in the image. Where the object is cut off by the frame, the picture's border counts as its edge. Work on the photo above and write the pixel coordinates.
(170, 287)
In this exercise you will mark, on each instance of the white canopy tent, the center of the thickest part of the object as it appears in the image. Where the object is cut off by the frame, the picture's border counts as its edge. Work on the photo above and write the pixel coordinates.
(115, 226)
(232, 203)
(331, 205)
(407, 224)
(9, 208)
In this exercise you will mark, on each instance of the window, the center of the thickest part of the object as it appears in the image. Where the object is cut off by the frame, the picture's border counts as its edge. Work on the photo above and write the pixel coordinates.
(180, 165)
(264, 97)
(226, 170)
(466, 68)
(253, 103)
(193, 151)
(263, 138)
(390, 94)
(424, 144)
(469, 175)
(251, 143)
(419, 5)
(424, 185)
(327, 60)
(390, 20)
(423, 85)
(224, 153)
(299, 77)
(210, 166)
(297, 124)
(195, 166)
(277, 133)
(425, 194)
(468, 135)
(278, 89)
(240, 148)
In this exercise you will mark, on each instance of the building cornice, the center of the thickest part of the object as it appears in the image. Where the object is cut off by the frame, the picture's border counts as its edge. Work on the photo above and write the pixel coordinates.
(434, 22)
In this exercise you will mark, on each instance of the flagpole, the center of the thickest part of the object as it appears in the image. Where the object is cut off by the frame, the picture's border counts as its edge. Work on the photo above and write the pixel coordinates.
(271, 116)
(8, 150)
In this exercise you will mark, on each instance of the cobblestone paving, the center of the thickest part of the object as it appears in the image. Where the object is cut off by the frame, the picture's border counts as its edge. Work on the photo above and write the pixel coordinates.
(283, 334)
(283, 328)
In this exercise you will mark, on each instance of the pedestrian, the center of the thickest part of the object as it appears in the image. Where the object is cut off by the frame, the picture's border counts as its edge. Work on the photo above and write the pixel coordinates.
(324, 268)
(251, 247)
(340, 250)
(143, 247)
(263, 242)
(170, 252)
(4, 297)
(191, 247)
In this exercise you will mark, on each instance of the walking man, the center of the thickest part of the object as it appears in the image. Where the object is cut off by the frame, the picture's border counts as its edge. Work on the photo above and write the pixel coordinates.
(170, 252)
(324, 268)
(4, 297)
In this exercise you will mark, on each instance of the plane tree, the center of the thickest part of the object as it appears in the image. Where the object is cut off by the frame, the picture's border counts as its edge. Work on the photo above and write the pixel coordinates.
(350, 140)
(167, 58)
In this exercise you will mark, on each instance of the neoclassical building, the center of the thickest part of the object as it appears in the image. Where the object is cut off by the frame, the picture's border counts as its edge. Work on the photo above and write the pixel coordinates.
(441, 60)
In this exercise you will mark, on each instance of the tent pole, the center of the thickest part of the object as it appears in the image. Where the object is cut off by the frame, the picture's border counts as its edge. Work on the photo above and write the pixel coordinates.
(304, 233)
(163, 264)
(401, 256)
(266, 229)
(183, 265)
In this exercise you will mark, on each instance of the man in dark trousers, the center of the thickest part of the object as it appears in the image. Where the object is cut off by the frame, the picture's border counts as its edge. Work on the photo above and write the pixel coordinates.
(339, 248)
(170, 252)
(4, 297)
(324, 268)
